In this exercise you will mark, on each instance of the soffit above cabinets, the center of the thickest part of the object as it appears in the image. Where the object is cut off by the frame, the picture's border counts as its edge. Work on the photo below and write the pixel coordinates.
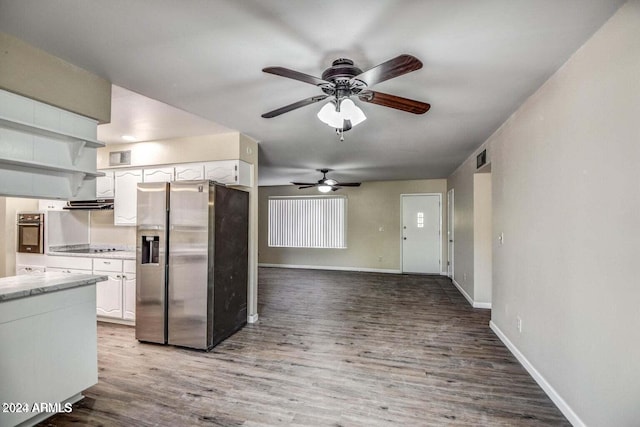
(149, 120)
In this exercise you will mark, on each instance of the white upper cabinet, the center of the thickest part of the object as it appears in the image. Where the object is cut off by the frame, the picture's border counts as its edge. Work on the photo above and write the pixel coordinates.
(189, 171)
(126, 195)
(104, 186)
(158, 175)
(232, 172)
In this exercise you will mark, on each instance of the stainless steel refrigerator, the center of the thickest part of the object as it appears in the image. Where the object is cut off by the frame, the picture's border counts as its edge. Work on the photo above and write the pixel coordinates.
(192, 263)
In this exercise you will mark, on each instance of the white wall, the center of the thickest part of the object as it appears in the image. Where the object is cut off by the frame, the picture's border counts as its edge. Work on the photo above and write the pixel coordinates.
(566, 194)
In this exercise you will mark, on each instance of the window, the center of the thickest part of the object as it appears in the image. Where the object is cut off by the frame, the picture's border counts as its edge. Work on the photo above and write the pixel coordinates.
(308, 222)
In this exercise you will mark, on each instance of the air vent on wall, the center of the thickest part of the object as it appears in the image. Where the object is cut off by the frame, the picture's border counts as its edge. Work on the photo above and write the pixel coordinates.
(481, 159)
(119, 158)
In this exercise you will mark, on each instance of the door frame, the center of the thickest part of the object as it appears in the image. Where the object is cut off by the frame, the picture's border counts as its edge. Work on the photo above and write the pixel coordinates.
(451, 219)
(402, 195)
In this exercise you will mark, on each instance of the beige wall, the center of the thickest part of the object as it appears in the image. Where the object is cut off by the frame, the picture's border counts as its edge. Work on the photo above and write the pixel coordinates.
(369, 207)
(9, 206)
(566, 194)
(226, 146)
(463, 253)
(482, 239)
(36, 74)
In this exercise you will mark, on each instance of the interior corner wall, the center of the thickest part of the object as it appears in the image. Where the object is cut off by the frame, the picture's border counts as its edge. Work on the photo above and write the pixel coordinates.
(12, 205)
(370, 207)
(566, 195)
(463, 250)
(482, 239)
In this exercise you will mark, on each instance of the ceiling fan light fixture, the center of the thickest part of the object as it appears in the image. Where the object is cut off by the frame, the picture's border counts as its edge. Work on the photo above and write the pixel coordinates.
(330, 115)
(324, 188)
(350, 111)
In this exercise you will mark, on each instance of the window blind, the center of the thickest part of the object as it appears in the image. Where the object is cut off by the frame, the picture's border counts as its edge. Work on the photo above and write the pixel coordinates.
(308, 222)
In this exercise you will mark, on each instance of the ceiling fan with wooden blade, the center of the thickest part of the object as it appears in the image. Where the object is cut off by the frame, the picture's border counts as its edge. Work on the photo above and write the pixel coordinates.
(343, 80)
(326, 184)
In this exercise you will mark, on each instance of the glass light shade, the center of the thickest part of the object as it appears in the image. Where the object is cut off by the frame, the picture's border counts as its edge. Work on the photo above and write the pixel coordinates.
(352, 112)
(324, 188)
(348, 111)
(330, 181)
(330, 116)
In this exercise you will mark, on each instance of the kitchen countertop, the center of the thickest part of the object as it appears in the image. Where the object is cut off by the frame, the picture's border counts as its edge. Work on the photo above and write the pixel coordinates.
(35, 284)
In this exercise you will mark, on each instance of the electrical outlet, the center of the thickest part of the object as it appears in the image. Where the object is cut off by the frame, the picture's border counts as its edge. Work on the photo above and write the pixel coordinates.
(519, 324)
(380, 229)
(379, 259)
(464, 277)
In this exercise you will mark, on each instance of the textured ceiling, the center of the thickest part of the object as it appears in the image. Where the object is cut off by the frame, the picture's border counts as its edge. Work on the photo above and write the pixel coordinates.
(482, 59)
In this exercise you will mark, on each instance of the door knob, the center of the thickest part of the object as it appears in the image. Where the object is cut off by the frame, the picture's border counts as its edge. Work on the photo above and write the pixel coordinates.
(404, 238)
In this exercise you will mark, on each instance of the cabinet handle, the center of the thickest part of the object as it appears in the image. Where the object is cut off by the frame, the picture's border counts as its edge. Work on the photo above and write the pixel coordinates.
(106, 262)
(118, 277)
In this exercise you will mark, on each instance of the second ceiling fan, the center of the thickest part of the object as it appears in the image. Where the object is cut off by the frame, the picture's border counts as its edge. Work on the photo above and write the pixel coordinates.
(343, 80)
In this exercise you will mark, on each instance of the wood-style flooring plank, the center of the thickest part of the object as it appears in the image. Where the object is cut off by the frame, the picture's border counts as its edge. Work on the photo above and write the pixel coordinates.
(331, 348)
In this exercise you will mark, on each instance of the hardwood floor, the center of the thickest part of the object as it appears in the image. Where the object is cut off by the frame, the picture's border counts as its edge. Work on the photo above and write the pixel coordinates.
(330, 349)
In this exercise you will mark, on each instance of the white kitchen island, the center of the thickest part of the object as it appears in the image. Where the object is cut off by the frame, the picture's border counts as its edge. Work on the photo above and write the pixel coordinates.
(48, 344)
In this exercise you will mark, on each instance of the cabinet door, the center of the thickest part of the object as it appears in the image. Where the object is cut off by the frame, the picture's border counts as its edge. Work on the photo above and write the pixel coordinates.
(126, 193)
(233, 172)
(109, 295)
(158, 175)
(129, 296)
(189, 171)
(104, 186)
(223, 171)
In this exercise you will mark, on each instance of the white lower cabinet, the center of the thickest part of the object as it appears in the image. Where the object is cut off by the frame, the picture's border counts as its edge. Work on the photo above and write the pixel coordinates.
(116, 296)
(109, 295)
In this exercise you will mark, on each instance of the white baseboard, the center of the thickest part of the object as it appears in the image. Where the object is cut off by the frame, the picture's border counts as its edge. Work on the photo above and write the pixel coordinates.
(473, 303)
(328, 267)
(486, 305)
(542, 382)
(252, 318)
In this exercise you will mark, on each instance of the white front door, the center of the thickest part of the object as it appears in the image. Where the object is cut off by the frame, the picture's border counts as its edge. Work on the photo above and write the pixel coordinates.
(421, 220)
(450, 231)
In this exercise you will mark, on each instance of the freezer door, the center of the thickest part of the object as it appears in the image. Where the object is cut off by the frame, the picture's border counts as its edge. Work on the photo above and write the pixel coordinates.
(191, 206)
(151, 263)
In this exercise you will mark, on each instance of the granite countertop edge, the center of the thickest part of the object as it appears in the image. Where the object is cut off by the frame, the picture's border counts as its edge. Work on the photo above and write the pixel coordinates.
(16, 287)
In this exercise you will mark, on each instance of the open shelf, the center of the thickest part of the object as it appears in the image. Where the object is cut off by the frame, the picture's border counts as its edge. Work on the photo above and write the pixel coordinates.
(49, 133)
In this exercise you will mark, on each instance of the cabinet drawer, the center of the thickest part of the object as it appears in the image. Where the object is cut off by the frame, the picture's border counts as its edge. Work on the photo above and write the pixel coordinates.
(68, 270)
(107, 264)
(69, 262)
(129, 266)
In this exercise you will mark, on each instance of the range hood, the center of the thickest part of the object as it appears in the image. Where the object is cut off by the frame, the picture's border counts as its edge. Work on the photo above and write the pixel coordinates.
(90, 205)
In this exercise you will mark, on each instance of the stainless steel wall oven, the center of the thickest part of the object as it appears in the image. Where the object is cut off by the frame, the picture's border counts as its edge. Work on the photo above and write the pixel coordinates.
(31, 232)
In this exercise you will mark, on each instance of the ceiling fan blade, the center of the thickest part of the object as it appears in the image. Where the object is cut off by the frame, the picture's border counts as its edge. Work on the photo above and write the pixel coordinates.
(392, 101)
(334, 188)
(293, 106)
(304, 183)
(348, 184)
(306, 186)
(395, 67)
(296, 75)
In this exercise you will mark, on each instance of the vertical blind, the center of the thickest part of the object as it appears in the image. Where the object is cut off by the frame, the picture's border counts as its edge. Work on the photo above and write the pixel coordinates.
(308, 222)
